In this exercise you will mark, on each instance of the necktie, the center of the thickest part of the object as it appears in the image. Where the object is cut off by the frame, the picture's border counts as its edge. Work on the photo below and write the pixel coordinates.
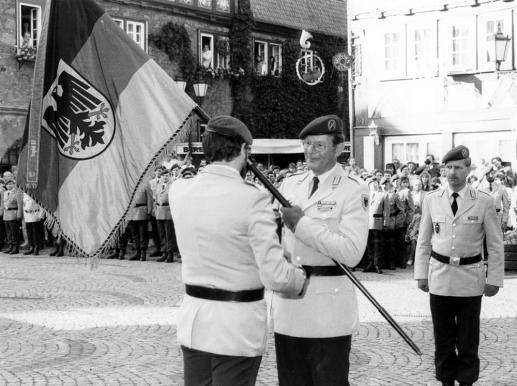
(315, 182)
(454, 205)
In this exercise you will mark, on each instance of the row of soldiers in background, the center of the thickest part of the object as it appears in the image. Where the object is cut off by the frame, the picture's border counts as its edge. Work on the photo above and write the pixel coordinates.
(18, 209)
(152, 207)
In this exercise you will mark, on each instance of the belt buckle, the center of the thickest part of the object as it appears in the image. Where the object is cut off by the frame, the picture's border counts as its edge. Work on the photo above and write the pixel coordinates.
(454, 260)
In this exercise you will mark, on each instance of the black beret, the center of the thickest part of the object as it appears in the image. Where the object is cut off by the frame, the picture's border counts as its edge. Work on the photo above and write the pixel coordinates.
(229, 126)
(328, 124)
(457, 153)
(385, 180)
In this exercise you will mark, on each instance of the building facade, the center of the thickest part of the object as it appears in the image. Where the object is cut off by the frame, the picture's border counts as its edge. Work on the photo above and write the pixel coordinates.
(425, 79)
(208, 24)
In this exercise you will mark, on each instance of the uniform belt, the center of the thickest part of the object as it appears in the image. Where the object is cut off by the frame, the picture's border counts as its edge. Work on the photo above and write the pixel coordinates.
(31, 210)
(11, 209)
(137, 205)
(166, 204)
(456, 260)
(323, 270)
(393, 214)
(224, 295)
(498, 210)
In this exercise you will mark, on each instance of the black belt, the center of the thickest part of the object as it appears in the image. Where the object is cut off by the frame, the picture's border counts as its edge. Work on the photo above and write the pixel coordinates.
(162, 204)
(323, 270)
(12, 209)
(137, 205)
(455, 260)
(498, 210)
(378, 215)
(224, 295)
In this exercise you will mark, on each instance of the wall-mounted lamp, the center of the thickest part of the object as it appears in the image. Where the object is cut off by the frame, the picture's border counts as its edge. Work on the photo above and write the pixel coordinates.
(374, 132)
(182, 84)
(502, 42)
(200, 90)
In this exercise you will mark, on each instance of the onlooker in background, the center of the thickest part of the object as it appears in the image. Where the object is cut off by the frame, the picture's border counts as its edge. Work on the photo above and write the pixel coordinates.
(429, 166)
(375, 227)
(164, 219)
(497, 162)
(352, 166)
(435, 183)
(392, 207)
(2, 227)
(425, 179)
(396, 164)
(390, 168)
(13, 213)
(501, 199)
(403, 219)
(417, 194)
(411, 236)
(443, 176)
(33, 217)
(473, 181)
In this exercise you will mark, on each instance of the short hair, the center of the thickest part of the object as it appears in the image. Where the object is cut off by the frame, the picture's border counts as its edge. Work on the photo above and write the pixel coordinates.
(497, 158)
(219, 147)
(404, 179)
(338, 138)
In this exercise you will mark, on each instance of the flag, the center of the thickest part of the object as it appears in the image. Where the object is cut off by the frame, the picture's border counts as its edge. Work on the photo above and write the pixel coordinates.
(102, 112)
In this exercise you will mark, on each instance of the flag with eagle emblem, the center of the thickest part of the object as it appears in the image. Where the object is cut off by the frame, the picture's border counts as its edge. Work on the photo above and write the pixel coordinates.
(101, 113)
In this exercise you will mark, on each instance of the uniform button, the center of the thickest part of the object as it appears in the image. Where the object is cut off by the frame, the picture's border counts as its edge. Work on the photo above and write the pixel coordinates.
(453, 247)
(298, 258)
(336, 290)
(453, 224)
(453, 236)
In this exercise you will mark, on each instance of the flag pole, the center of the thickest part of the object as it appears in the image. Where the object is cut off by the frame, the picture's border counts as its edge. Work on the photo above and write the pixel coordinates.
(269, 186)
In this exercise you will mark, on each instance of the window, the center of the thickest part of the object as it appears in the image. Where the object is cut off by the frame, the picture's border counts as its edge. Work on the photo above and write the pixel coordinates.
(422, 60)
(489, 25)
(260, 53)
(214, 5)
(223, 52)
(223, 5)
(414, 148)
(275, 59)
(393, 44)
(135, 30)
(462, 51)
(29, 24)
(205, 3)
(206, 50)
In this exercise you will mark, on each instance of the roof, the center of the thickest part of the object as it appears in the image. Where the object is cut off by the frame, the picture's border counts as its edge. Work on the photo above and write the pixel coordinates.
(325, 16)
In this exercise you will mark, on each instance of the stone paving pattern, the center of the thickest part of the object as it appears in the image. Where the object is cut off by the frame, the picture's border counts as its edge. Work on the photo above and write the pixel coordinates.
(64, 324)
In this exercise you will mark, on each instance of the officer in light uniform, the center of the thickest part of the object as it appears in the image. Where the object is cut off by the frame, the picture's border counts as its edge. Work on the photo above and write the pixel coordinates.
(227, 238)
(164, 218)
(448, 264)
(13, 213)
(33, 215)
(328, 220)
(375, 226)
(501, 199)
(139, 217)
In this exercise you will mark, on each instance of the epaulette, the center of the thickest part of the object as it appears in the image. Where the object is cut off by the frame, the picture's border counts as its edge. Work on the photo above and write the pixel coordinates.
(484, 192)
(297, 174)
(251, 184)
(433, 191)
(356, 178)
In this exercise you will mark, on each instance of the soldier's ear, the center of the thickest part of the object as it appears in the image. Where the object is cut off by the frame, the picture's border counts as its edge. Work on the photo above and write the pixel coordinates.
(339, 148)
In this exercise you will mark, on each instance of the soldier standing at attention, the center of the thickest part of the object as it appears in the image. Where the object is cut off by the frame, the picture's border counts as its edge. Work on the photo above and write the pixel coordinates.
(329, 219)
(448, 265)
(375, 226)
(226, 234)
(139, 217)
(13, 213)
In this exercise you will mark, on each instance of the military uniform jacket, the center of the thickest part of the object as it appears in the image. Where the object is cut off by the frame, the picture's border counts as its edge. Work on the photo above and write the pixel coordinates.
(501, 202)
(32, 212)
(162, 210)
(462, 236)
(13, 205)
(143, 205)
(2, 191)
(376, 211)
(392, 208)
(226, 235)
(335, 225)
(404, 217)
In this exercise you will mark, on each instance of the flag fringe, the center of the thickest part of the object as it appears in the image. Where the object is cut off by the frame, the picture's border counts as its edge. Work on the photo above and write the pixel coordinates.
(53, 224)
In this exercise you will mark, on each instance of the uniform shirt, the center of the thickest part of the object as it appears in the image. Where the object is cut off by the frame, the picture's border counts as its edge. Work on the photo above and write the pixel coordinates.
(32, 212)
(227, 238)
(13, 205)
(459, 235)
(376, 210)
(334, 225)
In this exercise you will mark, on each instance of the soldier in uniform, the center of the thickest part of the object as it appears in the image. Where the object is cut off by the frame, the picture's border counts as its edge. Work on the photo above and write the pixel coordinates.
(448, 265)
(13, 212)
(2, 227)
(402, 220)
(375, 226)
(33, 217)
(501, 199)
(329, 219)
(392, 208)
(139, 218)
(227, 238)
(164, 219)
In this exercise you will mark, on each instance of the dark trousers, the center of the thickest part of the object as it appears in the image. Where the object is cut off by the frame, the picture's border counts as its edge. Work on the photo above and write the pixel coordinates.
(2, 232)
(155, 234)
(206, 369)
(390, 248)
(168, 236)
(139, 234)
(375, 237)
(312, 361)
(456, 336)
(123, 240)
(12, 229)
(35, 233)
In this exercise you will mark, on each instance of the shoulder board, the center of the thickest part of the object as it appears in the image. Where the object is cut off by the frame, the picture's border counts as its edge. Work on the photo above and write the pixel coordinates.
(251, 184)
(433, 191)
(484, 192)
(355, 178)
(297, 174)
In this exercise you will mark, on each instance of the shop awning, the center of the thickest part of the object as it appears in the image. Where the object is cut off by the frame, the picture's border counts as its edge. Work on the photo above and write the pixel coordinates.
(276, 146)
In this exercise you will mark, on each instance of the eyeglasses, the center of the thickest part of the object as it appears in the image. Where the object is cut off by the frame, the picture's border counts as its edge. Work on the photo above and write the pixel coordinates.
(318, 146)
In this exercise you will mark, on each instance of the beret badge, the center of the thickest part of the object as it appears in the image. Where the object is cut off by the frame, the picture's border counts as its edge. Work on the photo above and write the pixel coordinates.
(332, 125)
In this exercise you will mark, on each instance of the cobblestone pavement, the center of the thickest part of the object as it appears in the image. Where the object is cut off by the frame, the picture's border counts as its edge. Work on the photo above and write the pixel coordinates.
(64, 324)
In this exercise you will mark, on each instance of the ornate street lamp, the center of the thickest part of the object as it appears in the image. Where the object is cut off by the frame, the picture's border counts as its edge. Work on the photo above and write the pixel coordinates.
(200, 90)
(502, 42)
(182, 84)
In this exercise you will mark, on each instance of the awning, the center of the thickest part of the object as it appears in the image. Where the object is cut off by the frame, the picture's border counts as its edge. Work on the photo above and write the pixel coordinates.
(276, 146)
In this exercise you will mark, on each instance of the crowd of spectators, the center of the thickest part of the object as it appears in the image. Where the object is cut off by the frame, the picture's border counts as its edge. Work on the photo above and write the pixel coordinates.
(396, 194)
